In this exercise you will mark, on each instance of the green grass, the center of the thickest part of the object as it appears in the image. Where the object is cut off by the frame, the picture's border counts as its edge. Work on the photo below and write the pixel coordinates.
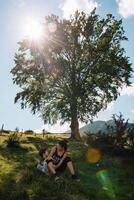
(110, 179)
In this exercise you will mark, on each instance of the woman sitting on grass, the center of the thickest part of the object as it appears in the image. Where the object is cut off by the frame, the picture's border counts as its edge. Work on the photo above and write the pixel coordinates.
(58, 160)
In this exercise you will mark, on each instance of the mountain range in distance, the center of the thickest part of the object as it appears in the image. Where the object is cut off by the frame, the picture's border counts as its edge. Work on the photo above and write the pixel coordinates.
(100, 126)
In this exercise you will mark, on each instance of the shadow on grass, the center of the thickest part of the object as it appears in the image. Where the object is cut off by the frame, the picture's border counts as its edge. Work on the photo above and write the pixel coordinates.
(32, 185)
(18, 157)
(42, 142)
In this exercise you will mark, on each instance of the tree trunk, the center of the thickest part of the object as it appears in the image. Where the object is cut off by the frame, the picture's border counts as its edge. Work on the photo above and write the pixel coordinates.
(74, 124)
(75, 129)
(74, 109)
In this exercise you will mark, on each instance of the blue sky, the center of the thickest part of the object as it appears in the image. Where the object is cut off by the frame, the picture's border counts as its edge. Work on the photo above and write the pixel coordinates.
(14, 15)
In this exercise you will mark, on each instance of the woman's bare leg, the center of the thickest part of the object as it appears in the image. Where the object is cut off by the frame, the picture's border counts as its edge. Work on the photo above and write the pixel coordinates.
(72, 171)
(51, 168)
(70, 167)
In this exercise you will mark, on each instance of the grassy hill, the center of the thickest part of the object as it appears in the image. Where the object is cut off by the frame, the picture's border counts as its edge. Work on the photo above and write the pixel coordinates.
(98, 126)
(94, 127)
(109, 178)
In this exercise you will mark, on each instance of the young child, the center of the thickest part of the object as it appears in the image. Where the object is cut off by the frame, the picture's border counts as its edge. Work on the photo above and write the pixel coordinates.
(42, 166)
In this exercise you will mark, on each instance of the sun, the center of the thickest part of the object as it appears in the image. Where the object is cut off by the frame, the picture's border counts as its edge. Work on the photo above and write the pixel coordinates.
(32, 29)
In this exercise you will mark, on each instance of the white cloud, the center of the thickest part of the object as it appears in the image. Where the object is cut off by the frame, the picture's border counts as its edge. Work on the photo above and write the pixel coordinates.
(70, 6)
(110, 106)
(128, 91)
(132, 111)
(56, 128)
(125, 7)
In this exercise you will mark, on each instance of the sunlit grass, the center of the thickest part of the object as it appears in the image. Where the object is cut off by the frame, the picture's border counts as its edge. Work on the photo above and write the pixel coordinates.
(5, 166)
(108, 179)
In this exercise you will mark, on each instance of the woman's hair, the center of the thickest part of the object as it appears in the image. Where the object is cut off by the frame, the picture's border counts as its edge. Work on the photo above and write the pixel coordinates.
(41, 152)
(63, 144)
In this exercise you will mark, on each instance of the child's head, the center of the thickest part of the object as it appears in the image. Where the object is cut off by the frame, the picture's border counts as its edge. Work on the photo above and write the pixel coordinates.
(62, 145)
(43, 153)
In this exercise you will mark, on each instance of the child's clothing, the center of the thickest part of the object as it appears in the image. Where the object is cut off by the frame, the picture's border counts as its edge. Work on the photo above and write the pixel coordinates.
(43, 167)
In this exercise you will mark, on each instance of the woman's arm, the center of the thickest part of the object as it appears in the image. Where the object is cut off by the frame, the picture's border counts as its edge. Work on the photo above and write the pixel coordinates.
(61, 161)
(51, 153)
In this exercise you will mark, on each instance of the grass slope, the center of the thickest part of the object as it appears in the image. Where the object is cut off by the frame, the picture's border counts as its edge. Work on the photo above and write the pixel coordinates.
(111, 178)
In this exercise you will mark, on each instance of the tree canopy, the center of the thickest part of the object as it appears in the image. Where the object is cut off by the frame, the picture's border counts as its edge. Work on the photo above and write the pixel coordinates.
(75, 70)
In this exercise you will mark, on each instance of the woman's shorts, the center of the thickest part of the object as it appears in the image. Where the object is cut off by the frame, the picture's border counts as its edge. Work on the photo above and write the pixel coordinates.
(63, 166)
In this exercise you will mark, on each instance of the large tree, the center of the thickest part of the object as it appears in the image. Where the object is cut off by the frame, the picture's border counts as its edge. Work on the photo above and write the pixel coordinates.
(74, 71)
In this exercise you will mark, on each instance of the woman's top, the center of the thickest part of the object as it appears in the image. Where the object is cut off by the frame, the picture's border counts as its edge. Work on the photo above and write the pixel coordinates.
(56, 158)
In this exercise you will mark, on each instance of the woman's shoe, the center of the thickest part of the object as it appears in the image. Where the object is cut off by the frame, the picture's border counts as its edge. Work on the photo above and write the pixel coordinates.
(76, 178)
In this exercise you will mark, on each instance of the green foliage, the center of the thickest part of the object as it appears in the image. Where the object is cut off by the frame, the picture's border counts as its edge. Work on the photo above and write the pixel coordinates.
(6, 131)
(121, 130)
(17, 129)
(29, 132)
(131, 138)
(75, 71)
(13, 140)
(119, 140)
(26, 176)
(1, 130)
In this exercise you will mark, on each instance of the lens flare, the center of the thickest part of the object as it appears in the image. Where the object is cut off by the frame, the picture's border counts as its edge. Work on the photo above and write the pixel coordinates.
(32, 29)
(106, 183)
(93, 155)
